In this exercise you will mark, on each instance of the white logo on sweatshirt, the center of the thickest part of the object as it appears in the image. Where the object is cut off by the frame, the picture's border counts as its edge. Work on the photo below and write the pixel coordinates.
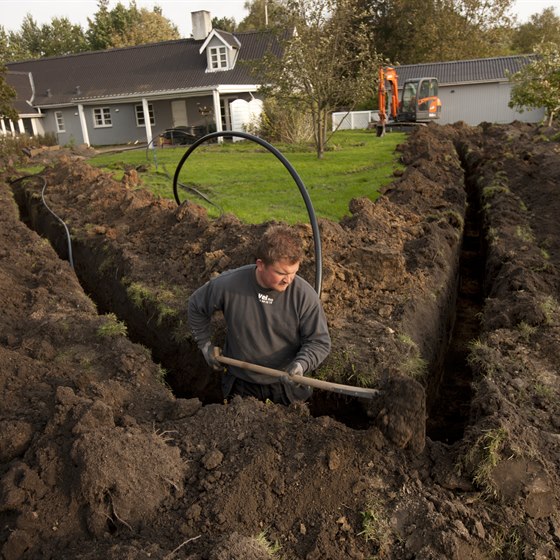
(263, 298)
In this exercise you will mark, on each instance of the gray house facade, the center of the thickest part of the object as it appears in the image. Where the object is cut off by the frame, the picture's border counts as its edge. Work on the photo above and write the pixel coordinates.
(131, 95)
(471, 91)
(474, 91)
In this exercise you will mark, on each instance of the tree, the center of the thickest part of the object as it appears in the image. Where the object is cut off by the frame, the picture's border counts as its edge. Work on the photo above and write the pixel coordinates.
(538, 83)
(125, 27)
(147, 27)
(31, 41)
(62, 37)
(325, 65)
(27, 42)
(415, 31)
(224, 24)
(7, 97)
(543, 27)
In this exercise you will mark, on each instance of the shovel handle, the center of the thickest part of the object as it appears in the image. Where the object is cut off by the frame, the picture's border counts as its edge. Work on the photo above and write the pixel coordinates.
(309, 381)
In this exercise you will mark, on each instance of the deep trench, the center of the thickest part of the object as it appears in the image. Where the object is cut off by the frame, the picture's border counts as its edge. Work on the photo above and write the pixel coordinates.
(449, 409)
(448, 402)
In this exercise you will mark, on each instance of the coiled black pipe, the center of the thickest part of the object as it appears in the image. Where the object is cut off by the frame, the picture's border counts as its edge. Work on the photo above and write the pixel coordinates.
(293, 173)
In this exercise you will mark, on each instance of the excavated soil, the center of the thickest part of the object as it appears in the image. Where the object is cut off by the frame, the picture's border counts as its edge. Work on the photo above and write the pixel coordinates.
(443, 295)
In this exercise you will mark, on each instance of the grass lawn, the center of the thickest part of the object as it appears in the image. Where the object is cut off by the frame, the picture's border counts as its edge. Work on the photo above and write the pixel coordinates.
(247, 180)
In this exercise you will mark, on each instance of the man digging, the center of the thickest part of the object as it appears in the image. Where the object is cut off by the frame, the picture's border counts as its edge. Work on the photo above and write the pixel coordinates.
(273, 317)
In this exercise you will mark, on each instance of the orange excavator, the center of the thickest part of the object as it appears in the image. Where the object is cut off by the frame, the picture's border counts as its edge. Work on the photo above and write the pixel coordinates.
(419, 102)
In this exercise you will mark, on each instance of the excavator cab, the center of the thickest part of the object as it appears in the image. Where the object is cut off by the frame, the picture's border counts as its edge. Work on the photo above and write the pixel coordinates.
(419, 101)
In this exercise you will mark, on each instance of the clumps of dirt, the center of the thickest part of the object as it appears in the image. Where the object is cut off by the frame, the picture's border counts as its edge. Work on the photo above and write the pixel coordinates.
(100, 459)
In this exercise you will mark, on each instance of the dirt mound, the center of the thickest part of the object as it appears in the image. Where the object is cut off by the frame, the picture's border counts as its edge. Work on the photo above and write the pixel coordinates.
(101, 459)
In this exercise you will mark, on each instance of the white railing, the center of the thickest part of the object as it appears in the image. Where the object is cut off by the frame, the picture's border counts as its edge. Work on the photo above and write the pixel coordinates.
(354, 119)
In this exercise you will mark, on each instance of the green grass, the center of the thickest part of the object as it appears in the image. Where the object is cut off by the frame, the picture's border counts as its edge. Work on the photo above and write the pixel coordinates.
(245, 179)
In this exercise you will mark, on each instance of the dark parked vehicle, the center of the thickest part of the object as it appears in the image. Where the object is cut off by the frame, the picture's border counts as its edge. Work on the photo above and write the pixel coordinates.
(182, 135)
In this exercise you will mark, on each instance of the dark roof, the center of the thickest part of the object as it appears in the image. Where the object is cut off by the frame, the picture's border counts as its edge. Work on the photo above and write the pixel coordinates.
(229, 38)
(145, 69)
(22, 83)
(466, 71)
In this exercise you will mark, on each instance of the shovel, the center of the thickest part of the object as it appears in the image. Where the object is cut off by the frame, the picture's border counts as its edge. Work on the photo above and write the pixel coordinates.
(309, 381)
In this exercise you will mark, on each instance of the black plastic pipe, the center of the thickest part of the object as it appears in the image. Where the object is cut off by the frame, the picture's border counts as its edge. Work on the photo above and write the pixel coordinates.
(293, 173)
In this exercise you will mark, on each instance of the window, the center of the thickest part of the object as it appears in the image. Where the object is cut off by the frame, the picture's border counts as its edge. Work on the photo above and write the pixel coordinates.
(59, 122)
(218, 58)
(102, 117)
(140, 115)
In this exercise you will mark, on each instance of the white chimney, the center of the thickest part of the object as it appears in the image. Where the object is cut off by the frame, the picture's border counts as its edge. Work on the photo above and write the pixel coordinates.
(201, 24)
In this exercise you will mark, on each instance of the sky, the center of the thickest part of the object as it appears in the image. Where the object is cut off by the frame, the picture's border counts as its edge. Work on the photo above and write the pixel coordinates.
(12, 12)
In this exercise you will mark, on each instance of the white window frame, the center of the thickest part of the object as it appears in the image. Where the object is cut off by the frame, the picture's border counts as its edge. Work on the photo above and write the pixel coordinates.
(102, 117)
(139, 111)
(59, 118)
(218, 58)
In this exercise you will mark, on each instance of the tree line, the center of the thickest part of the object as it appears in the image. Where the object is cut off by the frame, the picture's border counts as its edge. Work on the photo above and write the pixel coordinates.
(402, 31)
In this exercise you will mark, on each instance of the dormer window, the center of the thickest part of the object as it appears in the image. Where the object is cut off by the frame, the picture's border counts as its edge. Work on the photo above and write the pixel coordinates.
(218, 58)
(221, 49)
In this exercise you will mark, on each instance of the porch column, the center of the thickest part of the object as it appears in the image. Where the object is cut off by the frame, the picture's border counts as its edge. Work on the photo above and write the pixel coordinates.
(3, 127)
(20, 126)
(147, 123)
(83, 124)
(12, 128)
(217, 113)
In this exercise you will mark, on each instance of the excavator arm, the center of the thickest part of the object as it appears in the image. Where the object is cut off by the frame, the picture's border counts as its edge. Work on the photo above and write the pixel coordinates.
(388, 76)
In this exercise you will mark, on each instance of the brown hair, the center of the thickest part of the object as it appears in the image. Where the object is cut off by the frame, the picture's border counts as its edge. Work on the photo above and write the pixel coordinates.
(280, 242)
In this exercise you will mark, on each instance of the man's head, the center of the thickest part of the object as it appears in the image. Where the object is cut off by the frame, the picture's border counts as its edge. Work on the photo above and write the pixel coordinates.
(278, 256)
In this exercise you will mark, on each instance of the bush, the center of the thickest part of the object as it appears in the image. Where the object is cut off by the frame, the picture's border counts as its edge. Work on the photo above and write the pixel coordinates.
(285, 124)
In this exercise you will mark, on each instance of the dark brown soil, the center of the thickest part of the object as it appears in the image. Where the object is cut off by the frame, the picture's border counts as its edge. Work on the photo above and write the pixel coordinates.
(443, 295)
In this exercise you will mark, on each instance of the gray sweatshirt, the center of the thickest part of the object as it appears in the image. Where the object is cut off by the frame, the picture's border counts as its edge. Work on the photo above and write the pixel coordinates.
(264, 327)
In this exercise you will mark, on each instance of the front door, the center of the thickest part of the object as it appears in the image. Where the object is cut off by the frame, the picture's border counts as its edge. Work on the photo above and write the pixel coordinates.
(179, 113)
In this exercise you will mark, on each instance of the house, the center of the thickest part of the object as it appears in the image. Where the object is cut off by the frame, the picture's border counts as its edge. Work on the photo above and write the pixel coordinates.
(132, 94)
(472, 91)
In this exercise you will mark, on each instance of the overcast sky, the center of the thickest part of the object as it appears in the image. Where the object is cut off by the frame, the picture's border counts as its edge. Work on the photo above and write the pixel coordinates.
(12, 12)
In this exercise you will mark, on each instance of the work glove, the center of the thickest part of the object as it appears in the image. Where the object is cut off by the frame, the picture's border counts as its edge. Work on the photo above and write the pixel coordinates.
(208, 352)
(295, 368)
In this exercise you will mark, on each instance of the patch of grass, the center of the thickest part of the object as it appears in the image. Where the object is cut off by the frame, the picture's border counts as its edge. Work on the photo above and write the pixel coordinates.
(544, 391)
(245, 179)
(549, 307)
(484, 456)
(342, 366)
(480, 358)
(525, 234)
(376, 526)
(112, 327)
(412, 365)
(271, 548)
(526, 330)
(506, 544)
(415, 367)
(492, 236)
(143, 297)
(494, 188)
(161, 375)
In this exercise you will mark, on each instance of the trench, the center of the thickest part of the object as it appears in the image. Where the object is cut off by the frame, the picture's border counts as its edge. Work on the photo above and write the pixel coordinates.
(449, 390)
(449, 407)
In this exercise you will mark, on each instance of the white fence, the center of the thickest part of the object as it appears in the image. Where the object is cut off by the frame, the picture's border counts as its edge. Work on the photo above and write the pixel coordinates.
(353, 120)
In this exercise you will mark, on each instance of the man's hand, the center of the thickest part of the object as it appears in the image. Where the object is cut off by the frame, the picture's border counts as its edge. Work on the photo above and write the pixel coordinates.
(208, 353)
(295, 368)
